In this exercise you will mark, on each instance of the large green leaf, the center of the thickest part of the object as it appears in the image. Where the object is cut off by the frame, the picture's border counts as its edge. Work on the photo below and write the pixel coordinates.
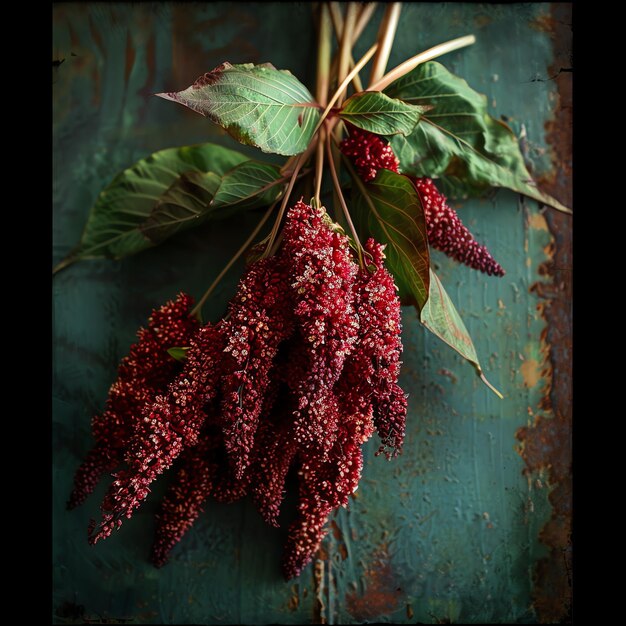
(186, 203)
(249, 185)
(257, 104)
(440, 316)
(457, 141)
(378, 113)
(127, 216)
(389, 209)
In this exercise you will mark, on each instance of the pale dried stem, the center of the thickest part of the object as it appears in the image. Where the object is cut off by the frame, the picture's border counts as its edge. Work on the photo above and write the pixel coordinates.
(422, 57)
(319, 165)
(367, 10)
(342, 201)
(345, 47)
(363, 19)
(323, 55)
(386, 34)
(357, 68)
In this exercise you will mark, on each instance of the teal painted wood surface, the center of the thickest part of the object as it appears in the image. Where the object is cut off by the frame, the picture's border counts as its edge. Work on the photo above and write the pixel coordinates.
(452, 528)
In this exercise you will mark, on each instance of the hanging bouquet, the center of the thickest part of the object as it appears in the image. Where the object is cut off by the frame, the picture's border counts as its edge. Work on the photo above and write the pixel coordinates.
(303, 367)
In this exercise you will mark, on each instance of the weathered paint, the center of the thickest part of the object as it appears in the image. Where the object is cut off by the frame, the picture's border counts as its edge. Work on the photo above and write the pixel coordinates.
(471, 524)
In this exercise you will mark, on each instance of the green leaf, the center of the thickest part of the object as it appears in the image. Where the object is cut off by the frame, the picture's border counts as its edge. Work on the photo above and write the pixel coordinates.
(257, 104)
(457, 141)
(197, 196)
(440, 316)
(249, 185)
(180, 354)
(184, 204)
(389, 209)
(378, 113)
(127, 209)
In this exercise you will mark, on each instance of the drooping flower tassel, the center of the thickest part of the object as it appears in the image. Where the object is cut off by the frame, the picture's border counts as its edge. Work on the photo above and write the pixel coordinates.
(167, 427)
(142, 374)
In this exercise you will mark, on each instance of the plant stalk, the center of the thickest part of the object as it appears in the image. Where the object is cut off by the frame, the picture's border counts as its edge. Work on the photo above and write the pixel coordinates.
(364, 59)
(323, 55)
(345, 48)
(422, 57)
(319, 165)
(342, 201)
(386, 34)
(367, 10)
(363, 19)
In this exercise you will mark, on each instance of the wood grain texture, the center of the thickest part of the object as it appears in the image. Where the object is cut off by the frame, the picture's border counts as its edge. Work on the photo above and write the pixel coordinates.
(469, 523)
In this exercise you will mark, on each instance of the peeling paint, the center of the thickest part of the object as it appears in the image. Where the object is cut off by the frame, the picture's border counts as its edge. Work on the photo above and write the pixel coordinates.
(538, 222)
(531, 372)
(547, 443)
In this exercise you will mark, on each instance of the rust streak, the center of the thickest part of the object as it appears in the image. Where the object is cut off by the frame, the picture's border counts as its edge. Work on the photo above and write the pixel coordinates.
(546, 445)
(382, 595)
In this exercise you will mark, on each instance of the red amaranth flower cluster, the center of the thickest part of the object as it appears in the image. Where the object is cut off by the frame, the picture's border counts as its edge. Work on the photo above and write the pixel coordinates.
(143, 373)
(447, 233)
(296, 378)
(445, 230)
(166, 427)
(369, 153)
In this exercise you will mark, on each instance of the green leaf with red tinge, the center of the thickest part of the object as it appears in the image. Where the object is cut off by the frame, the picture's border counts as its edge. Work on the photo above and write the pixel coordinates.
(440, 316)
(378, 113)
(458, 142)
(257, 104)
(389, 209)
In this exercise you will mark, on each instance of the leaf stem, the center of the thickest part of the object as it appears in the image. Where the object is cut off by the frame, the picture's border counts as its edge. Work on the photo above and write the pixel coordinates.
(342, 201)
(198, 308)
(386, 35)
(66, 262)
(422, 57)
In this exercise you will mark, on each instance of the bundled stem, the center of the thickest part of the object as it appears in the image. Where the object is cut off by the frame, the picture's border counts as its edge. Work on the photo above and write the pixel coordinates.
(367, 10)
(422, 57)
(345, 49)
(342, 201)
(386, 35)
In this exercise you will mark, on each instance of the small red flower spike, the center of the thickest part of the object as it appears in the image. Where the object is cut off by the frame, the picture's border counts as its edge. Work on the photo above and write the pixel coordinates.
(369, 153)
(261, 318)
(322, 277)
(185, 497)
(447, 233)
